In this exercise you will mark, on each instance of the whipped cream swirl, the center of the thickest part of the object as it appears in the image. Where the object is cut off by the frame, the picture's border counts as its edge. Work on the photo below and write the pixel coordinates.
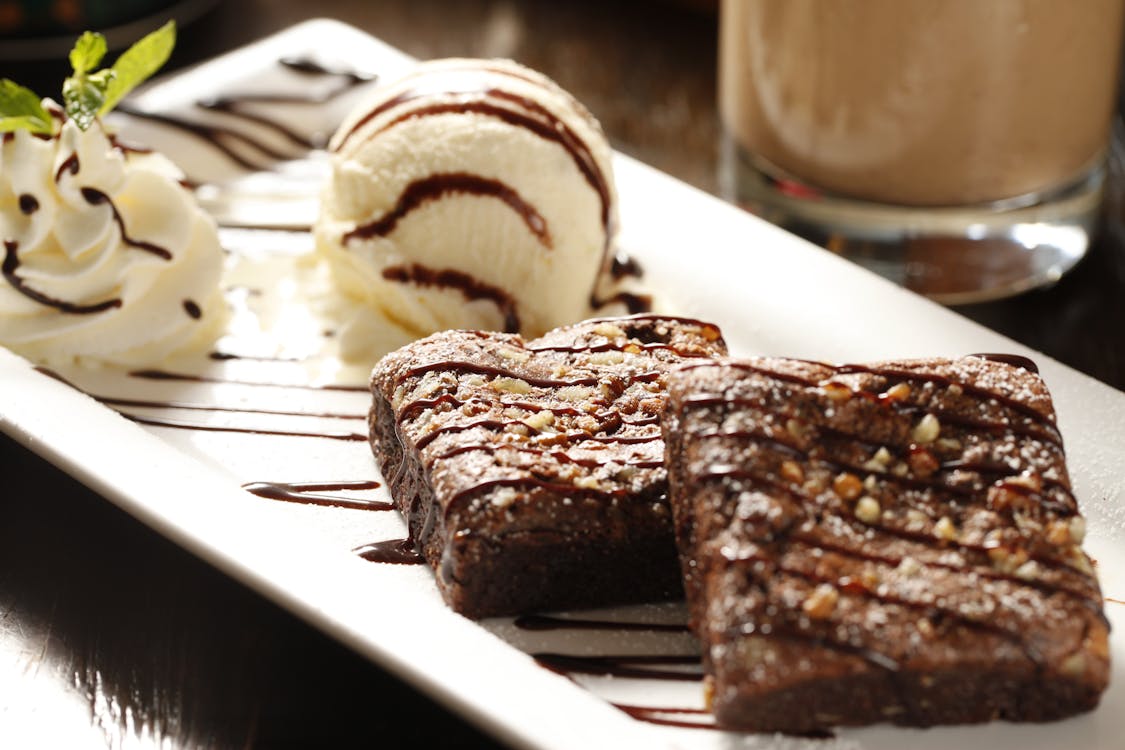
(106, 256)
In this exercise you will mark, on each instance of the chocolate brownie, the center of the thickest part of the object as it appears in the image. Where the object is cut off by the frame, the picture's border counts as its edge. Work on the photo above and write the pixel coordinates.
(531, 474)
(889, 542)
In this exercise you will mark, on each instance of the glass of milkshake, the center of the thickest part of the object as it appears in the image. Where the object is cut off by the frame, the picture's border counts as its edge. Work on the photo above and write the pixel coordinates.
(954, 146)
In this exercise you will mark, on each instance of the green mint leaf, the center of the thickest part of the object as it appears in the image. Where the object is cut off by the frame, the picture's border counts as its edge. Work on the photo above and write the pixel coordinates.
(20, 109)
(84, 96)
(88, 51)
(138, 63)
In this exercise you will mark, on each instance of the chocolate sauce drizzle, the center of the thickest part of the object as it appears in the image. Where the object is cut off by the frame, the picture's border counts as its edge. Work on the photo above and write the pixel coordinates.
(658, 715)
(309, 493)
(557, 455)
(69, 165)
(231, 105)
(470, 288)
(156, 374)
(1015, 360)
(312, 67)
(192, 309)
(624, 266)
(221, 356)
(96, 197)
(536, 119)
(392, 552)
(497, 372)
(220, 137)
(549, 623)
(436, 186)
(224, 139)
(634, 303)
(354, 437)
(12, 263)
(499, 425)
(186, 406)
(29, 204)
(1066, 506)
(631, 665)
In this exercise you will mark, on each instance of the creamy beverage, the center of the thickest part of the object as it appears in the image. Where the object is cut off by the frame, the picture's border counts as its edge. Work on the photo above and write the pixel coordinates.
(921, 102)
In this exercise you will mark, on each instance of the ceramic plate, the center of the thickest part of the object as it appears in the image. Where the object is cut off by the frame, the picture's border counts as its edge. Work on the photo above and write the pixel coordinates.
(273, 409)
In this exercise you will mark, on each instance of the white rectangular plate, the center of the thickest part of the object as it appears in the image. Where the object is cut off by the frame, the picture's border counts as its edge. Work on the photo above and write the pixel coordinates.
(180, 463)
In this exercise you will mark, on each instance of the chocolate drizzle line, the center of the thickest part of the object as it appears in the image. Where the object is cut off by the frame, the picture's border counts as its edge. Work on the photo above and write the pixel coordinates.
(623, 665)
(223, 138)
(311, 67)
(982, 393)
(192, 309)
(538, 120)
(231, 105)
(391, 551)
(657, 715)
(220, 356)
(933, 609)
(634, 303)
(218, 136)
(469, 287)
(623, 266)
(439, 185)
(308, 493)
(12, 263)
(548, 623)
(608, 346)
(541, 121)
(479, 369)
(96, 197)
(1066, 507)
(558, 455)
(818, 541)
(893, 375)
(70, 164)
(142, 403)
(493, 424)
(153, 374)
(978, 550)
(180, 425)
(1015, 360)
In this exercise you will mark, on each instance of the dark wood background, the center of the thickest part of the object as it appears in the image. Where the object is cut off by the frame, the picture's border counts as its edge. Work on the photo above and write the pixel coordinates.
(106, 626)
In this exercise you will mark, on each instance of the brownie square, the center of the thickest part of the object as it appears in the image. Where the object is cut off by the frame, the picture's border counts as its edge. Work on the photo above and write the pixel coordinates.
(531, 474)
(887, 542)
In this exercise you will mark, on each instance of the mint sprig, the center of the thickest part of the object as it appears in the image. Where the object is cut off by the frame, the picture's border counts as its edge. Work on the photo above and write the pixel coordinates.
(88, 94)
(138, 63)
(20, 109)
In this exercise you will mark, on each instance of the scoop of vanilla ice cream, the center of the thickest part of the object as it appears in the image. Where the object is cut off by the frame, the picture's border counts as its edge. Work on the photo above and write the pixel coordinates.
(468, 194)
(106, 256)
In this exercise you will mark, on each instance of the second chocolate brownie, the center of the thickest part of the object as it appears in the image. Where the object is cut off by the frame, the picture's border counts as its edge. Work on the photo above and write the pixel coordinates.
(888, 542)
(531, 474)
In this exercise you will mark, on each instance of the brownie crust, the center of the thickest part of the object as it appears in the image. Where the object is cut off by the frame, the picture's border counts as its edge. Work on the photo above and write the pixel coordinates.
(531, 474)
(888, 542)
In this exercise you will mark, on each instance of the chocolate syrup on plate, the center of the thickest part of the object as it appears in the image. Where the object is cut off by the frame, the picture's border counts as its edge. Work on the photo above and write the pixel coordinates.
(545, 622)
(309, 493)
(392, 552)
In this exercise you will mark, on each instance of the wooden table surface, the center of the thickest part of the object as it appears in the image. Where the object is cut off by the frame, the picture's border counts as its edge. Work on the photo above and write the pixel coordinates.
(111, 636)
